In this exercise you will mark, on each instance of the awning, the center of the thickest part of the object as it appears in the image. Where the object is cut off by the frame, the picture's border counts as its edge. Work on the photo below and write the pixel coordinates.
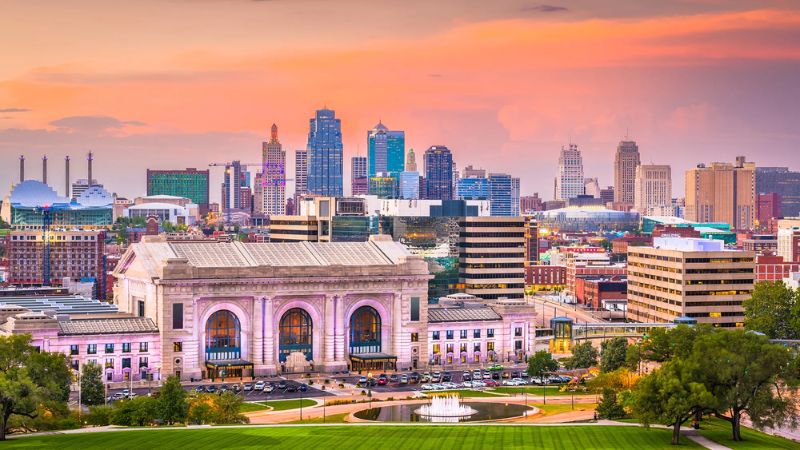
(228, 363)
(373, 357)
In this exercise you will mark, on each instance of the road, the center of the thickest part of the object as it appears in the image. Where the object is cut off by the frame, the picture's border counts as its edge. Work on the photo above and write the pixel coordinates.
(548, 308)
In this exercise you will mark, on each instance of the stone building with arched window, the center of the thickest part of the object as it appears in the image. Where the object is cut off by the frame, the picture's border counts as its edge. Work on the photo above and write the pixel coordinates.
(244, 309)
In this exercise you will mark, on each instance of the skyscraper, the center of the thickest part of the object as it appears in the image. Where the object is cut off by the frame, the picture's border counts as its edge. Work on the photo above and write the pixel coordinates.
(232, 186)
(188, 183)
(785, 183)
(469, 171)
(500, 187)
(722, 192)
(273, 175)
(325, 155)
(653, 190)
(358, 175)
(515, 194)
(438, 173)
(473, 188)
(569, 181)
(300, 172)
(411, 161)
(386, 150)
(409, 185)
(625, 163)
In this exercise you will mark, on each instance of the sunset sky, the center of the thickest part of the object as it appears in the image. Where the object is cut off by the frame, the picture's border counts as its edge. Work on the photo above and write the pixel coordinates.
(181, 83)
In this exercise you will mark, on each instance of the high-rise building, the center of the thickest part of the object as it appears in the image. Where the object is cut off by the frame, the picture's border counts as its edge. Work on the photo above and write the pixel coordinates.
(232, 186)
(491, 263)
(690, 277)
(470, 172)
(652, 189)
(530, 203)
(769, 207)
(409, 185)
(438, 173)
(607, 194)
(591, 186)
(789, 242)
(273, 175)
(300, 172)
(722, 192)
(359, 183)
(384, 185)
(500, 194)
(625, 163)
(188, 183)
(411, 161)
(515, 195)
(569, 181)
(325, 155)
(473, 188)
(783, 182)
(386, 150)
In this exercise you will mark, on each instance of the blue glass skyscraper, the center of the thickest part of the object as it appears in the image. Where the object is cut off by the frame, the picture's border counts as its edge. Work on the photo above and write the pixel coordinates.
(386, 149)
(500, 194)
(438, 173)
(325, 154)
(473, 188)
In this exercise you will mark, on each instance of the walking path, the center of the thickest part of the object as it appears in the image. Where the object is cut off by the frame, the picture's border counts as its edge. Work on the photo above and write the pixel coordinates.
(704, 441)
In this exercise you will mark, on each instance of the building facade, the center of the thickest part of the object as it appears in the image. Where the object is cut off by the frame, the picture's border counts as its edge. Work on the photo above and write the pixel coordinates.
(501, 194)
(626, 161)
(785, 183)
(409, 185)
(325, 155)
(386, 150)
(300, 172)
(492, 257)
(438, 173)
(569, 180)
(690, 277)
(652, 189)
(384, 185)
(722, 192)
(188, 183)
(359, 183)
(273, 175)
(473, 188)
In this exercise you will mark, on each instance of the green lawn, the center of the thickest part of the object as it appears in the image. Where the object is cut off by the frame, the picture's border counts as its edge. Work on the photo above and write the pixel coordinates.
(550, 408)
(282, 405)
(334, 418)
(361, 437)
(465, 393)
(719, 431)
(251, 407)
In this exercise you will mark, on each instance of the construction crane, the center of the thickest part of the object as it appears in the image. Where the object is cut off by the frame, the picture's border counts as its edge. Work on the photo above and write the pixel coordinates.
(275, 181)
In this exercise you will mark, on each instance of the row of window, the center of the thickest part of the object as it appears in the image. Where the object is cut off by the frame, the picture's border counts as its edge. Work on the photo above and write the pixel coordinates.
(450, 348)
(109, 363)
(462, 334)
(91, 349)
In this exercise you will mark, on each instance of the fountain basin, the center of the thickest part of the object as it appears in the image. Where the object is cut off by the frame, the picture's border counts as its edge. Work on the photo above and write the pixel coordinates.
(484, 412)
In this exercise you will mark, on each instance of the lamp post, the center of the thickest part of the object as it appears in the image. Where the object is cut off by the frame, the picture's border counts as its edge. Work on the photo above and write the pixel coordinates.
(324, 402)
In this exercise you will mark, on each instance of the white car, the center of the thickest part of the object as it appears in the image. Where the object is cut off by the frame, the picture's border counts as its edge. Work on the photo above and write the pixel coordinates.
(467, 384)
(426, 387)
(450, 385)
(259, 386)
(478, 384)
(269, 388)
(487, 376)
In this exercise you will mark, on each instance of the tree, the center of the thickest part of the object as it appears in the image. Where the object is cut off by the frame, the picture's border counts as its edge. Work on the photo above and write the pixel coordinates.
(172, 406)
(748, 375)
(663, 344)
(583, 355)
(227, 406)
(671, 395)
(774, 310)
(138, 411)
(633, 357)
(609, 407)
(28, 380)
(612, 355)
(541, 363)
(93, 391)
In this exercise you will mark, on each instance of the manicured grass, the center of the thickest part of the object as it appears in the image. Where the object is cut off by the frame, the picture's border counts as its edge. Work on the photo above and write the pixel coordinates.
(361, 437)
(535, 390)
(283, 405)
(252, 407)
(719, 431)
(465, 393)
(334, 418)
(551, 409)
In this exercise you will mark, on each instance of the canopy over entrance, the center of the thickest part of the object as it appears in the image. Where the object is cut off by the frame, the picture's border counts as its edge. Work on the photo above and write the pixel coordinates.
(373, 361)
(229, 368)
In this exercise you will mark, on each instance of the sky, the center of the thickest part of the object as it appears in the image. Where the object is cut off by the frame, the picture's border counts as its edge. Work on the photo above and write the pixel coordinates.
(504, 84)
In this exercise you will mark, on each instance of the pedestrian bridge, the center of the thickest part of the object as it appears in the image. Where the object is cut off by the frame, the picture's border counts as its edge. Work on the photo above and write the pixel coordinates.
(564, 331)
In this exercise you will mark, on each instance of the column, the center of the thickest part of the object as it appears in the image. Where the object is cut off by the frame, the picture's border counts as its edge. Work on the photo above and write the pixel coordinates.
(329, 319)
(269, 334)
(338, 328)
(398, 346)
(258, 331)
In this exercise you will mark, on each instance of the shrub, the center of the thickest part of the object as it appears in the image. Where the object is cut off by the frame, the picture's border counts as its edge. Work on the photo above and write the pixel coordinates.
(100, 415)
(609, 408)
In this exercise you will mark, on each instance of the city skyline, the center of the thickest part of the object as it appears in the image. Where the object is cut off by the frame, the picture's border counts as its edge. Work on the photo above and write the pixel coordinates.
(665, 75)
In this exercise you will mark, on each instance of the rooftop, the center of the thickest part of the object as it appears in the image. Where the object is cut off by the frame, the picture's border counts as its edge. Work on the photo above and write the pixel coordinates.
(107, 326)
(72, 304)
(462, 314)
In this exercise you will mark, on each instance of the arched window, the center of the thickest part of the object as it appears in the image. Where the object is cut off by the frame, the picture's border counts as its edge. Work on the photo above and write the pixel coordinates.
(296, 334)
(365, 331)
(223, 336)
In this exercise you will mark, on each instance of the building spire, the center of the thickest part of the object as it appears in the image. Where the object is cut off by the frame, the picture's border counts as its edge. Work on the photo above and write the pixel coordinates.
(274, 133)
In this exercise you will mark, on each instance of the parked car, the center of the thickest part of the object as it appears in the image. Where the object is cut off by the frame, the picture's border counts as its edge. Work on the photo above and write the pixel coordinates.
(393, 378)
(414, 377)
(211, 389)
(362, 381)
(268, 388)
(303, 387)
(291, 388)
(490, 383)
(383, 380)
(199, 389)
(495, 375)
(118, 396)
(237, 388)
(259, 386)
(446, 377)
(282, 385)
(478, 384)
(125, 392)
(403, 379)
(506, 374)
(248, 387)
(426, 387)
(224, 388)
(466, 376)
(496, 367)
(487, 376)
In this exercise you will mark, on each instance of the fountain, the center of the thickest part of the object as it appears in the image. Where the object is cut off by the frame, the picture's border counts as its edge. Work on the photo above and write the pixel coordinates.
(445, 408)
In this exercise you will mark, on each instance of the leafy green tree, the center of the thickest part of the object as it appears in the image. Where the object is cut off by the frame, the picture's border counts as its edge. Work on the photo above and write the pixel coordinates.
(663, 344)
(612, 354)
(748, 375)
(172, 405)
(609, 407)
(139, 411)
(167, 226)
(633, 357)
(671, 395)
(100, 415)
(202, 413)
(93, 391)
(773, 309)
(541, 363)
(583, 355)
(28, 380)
(227, 406)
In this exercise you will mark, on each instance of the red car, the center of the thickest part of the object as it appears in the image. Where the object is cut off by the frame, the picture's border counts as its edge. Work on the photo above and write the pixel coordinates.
(383, 381)
(490, 383)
